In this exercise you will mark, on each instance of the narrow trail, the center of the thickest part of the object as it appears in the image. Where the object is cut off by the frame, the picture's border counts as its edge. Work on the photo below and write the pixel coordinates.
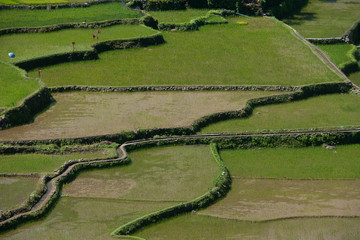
(122, 154)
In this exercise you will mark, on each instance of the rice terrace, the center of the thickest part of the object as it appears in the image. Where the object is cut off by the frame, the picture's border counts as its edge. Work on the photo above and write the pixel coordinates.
(180, 119)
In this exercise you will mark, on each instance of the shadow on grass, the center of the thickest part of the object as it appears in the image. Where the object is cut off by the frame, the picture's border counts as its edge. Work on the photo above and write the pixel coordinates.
(299, 18)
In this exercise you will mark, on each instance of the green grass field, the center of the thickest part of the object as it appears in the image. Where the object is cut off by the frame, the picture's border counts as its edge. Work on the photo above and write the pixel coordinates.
(202, 227)
(335, 110)
(355, 78)
(178, 16)
(219, 54)
(15, 190)
(322, 19)
(24, 18)
(79, 114)
(84, 218)
(31, 45)
(44, 163)
(338, 53)
(14, 86)
(295, 163)
(156, 174)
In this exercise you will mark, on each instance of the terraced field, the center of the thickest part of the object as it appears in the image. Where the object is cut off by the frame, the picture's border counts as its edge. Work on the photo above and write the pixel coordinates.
(241, 129)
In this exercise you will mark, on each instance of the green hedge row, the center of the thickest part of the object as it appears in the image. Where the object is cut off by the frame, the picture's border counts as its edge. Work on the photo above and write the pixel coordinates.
(194, 24)
(352, 65)
(222, 185)
(353, 34)
(26, 111)
(91, 54)
(326, 40)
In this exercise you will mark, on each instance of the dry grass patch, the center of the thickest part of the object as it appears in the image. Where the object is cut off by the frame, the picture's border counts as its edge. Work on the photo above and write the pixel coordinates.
(264, 199)
(80, 114)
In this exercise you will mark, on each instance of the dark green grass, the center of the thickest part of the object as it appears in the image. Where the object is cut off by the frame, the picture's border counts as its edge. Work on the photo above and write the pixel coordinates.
(355, 78)
(84, 218)
(338, 53)
(35, 18)
(294, 163)
(14, 86)
(15, 190)
(220, 54)
(193, 226)
(335, 111)
(178, 16)
(32, 45)
(40, 2)
(326, 18)
(43, 163)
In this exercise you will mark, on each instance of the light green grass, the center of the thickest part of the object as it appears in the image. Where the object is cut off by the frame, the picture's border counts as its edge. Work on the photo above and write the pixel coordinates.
(333, 110)
(269, 199)
(219, 54)
(43, 163)
(32, 45)
(82, 218)
(297, 163)
(338, 53)
(202, 227)
(162, 173)
(322, 19)
(80, 114)
(41, 2)
(15, 190)
(178, 16)
(24, 18)
(14, 86)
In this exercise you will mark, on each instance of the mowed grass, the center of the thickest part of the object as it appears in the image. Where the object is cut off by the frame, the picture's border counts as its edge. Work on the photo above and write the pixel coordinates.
(15, 190)
(335, 110)
(84, 218)
(323, 19)
(14, 18)
(44, 163)
(224, 54)
(295, 163)
(193, 226)
(79, 114)
(31, 45)
(269, 199)
(14, 86)
(337, 52)
(178, 16)
(155, 174)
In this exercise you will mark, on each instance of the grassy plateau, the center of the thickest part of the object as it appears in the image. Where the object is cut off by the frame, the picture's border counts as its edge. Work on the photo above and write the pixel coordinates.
(335, 110)
(178, 16)
(79, 114)
(324, 19)
(41, 2)
(14, 86)
(31, 45)
(218, 54)
(14, 18)
(338, 53)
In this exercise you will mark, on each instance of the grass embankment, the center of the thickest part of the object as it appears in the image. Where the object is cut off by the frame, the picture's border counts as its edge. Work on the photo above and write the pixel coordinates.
(156, 174)
(338, 53)
(44, 163)
(220, 54)
(323, 19)
(202, 227)
(32, 45)
(84, 218)
(35, 18)
(14, 86)
(178, 16)
(335, 110)
(295, 163)
(80, 114)
(15, 190)
(41, 2)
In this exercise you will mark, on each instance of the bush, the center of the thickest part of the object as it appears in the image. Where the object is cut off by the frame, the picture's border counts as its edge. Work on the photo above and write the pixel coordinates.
(154, 5)
(287, 8)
